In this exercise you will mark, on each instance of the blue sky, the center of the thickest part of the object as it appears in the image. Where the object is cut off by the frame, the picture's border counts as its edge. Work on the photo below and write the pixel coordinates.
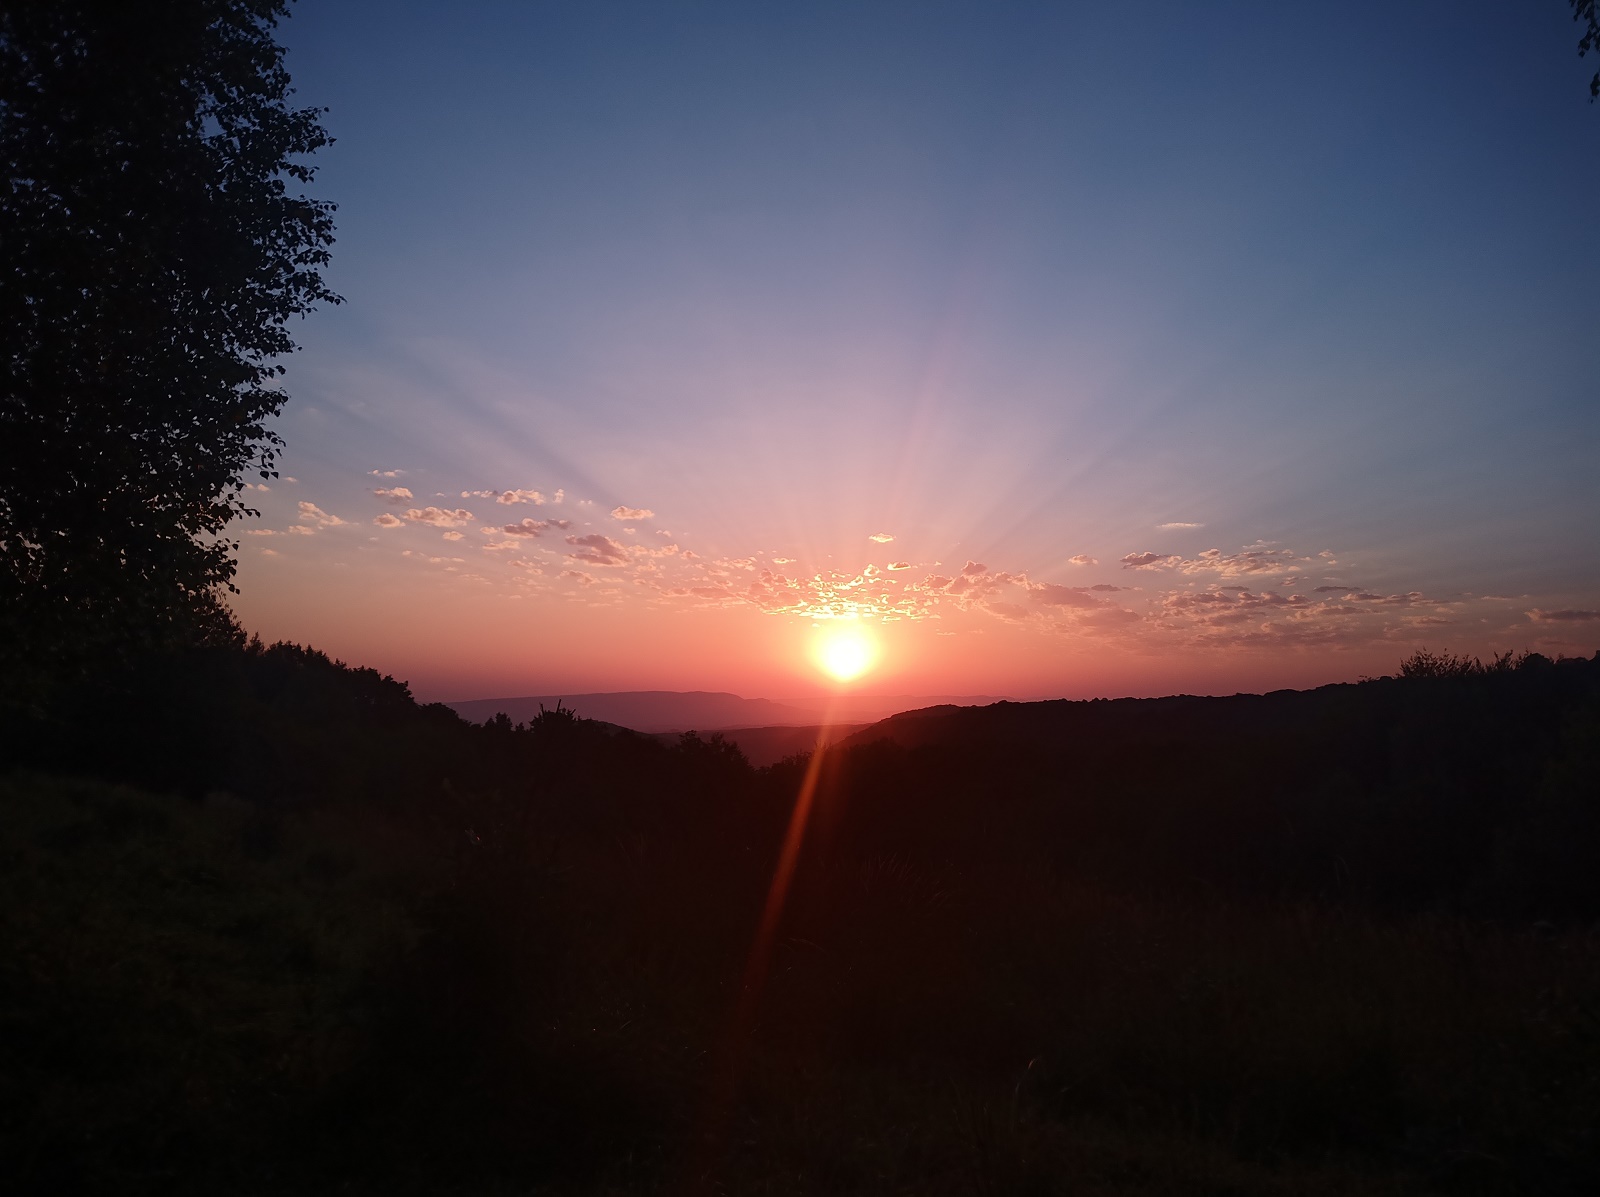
(1012, 283)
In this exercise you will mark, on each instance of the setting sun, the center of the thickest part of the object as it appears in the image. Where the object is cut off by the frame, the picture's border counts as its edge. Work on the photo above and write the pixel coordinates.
(845, 652)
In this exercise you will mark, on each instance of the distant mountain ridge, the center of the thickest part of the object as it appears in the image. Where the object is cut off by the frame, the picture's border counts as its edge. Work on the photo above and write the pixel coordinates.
(701, 710)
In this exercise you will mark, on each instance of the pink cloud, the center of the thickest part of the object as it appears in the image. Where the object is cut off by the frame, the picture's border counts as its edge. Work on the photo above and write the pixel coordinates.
(314, 516)
(1149, 560)
(526, 527)
(1565, 616)
(439, 517)
(598, 550)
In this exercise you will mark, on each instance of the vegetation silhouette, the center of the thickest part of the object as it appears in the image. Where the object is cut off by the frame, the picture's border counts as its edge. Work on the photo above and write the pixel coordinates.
(276, 927)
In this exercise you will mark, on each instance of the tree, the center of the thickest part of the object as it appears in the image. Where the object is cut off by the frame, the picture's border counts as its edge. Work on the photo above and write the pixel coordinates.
(1584, 11)
(151, 255)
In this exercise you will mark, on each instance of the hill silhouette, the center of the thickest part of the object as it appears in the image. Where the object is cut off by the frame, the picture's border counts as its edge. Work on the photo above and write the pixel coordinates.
(276, 927)
(699, 710)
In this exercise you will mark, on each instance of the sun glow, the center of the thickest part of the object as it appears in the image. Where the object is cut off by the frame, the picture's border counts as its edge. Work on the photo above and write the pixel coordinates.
(845, 651)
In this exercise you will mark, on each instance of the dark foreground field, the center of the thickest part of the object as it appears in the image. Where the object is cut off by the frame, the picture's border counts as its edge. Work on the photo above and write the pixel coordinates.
(272, 928)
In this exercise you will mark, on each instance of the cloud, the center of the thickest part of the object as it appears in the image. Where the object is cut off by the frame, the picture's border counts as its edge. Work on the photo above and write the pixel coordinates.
(880, 537)
(1334, 589)
(389, 521)
(1253, 559)
(527, 527)
(300, 530)
(439, 517)
(396, 494)
(1082, 559)
(1149, 560)
(598, 550)
(510, 497)
(260, 532)
(632, 513)
(1565, 616)
(899, 565)
(1175, 526)
(577, 575)
(452, 536)
(972, 569)
(385, 473)
(1048, 594)
(520, 496)
(314, 516)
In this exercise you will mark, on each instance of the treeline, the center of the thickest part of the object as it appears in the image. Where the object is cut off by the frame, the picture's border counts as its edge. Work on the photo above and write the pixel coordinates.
(278, 928)
(1454, 787)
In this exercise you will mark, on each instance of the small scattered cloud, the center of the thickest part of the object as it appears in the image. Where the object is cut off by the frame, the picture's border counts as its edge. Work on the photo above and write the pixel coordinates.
(596, 549)
(398, 495)
(510, 497)
(632, 513)
(1082, 559)
(439, 517)
(1048, 594)
(260, 532)
(899, 565)
(452, 535)
(383, 473)
(314, 516)
(1258, 558)
(973, 568)
(300, 530)
(880, 537)
(527, 527)
(578, 576)
(1173, 527)
(1149, 560)
(1335, 590)
(389, 521)
(1564, 616)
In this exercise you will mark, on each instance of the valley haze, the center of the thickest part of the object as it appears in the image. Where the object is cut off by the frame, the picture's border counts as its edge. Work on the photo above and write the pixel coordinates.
(653, 711)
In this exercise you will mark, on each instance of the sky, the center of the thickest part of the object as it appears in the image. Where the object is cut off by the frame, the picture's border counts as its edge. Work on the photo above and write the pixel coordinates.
(1038, 350)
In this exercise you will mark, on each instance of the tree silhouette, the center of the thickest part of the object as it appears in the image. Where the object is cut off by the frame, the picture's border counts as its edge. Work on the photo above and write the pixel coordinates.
(152, 255)
(1584, 11)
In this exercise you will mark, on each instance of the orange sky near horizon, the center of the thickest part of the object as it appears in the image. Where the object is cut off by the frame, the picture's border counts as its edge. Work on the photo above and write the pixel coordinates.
(560, 595)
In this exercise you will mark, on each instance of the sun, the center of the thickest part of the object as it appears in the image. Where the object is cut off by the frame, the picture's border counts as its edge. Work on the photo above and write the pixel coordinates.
(845, 650)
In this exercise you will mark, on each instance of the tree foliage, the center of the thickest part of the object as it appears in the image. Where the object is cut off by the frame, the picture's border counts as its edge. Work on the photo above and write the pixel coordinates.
(151, 255)
(1584, 12)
